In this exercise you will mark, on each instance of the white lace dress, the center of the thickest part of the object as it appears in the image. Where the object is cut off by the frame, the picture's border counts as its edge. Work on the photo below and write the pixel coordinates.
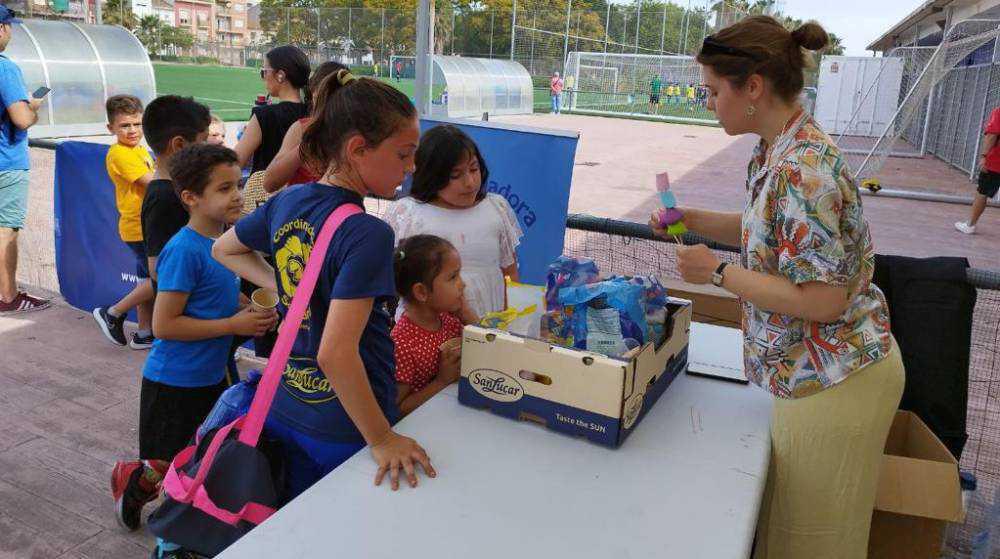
(486, 236)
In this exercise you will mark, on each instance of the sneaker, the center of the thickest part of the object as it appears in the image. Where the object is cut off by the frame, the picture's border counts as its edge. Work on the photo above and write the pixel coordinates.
(173, 554)
(113, 327)
(965, 228)
(129, 497)
(23, 303)
(141, 342)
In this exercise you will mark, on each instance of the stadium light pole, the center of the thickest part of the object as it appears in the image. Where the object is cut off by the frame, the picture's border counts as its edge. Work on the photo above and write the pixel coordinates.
(663, 29)
(569, 16)
(638, 20)
(513, 28)
(425, 44)
(607, 28)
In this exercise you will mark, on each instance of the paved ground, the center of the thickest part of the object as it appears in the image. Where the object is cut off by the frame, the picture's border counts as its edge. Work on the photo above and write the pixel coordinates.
(69, 405)
(68, 400)
(614, 178)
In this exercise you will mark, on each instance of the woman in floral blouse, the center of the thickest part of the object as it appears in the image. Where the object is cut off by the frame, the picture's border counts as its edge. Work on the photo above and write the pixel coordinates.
(816, 330)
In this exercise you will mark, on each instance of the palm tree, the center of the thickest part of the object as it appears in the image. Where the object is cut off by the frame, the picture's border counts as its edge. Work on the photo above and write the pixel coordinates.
(118, 12)
(150, 34)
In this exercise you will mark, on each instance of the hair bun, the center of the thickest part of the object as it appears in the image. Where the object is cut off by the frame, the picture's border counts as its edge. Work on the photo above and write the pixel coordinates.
(811, 36)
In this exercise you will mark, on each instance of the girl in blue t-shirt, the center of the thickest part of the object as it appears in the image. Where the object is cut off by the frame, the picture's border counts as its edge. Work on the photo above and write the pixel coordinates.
(338, 391)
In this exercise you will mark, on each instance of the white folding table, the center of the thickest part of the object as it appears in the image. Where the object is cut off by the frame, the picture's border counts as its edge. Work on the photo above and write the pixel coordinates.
(687, 483)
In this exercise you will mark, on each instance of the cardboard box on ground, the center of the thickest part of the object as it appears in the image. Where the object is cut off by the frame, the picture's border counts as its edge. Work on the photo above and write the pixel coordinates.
(918, 493)
(568, 390)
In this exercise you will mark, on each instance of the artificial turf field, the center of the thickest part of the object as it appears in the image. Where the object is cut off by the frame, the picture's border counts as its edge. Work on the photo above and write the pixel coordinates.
(230, 92)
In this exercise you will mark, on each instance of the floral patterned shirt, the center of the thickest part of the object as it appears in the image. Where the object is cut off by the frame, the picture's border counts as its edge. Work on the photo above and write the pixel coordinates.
(803, 221)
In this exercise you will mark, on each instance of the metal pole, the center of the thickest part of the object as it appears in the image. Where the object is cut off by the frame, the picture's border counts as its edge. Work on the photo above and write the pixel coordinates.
(663, 29)
(607, 28)
(569, 16)
(704, 30)
(638, 21)
(492, 13)
(681, 38)
(624, 32)
(577, 48)
(513, 28)
(454, 31)
(288, 25)
(534, 25)
(425, 42)
(982, 113)
(381, 40)
(98, 17)
(318, 35)
(927, 121)
(350, 33)
(687, 25)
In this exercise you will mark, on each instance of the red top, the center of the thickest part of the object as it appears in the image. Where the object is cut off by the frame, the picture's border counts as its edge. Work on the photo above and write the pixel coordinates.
(992, 162)
(556, 85)
(418, 350)
(303, 174)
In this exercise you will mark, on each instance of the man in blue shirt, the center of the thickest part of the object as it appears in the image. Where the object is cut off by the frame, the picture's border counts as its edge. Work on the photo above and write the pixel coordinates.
(19, 112)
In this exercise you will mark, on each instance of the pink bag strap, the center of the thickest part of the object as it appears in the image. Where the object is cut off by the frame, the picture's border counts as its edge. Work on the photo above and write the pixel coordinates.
(250, 433)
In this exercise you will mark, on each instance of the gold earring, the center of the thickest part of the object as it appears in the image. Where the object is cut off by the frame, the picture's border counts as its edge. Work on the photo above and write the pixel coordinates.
(751, 110)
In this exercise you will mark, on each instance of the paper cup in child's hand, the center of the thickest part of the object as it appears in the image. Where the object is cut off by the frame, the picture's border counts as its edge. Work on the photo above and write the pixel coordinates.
(263, 299)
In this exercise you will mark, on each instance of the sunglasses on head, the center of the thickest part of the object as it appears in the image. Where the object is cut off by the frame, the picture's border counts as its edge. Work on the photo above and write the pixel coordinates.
(711, 46)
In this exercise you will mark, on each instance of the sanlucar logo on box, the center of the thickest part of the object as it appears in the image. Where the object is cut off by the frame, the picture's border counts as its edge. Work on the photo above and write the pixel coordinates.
(496, 385)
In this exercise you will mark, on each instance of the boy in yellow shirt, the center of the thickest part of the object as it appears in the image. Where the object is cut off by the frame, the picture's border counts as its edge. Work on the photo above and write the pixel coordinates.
(130, 168)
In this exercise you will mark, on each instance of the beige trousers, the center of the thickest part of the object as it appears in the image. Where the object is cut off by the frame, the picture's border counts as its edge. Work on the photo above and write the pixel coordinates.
(826, 451)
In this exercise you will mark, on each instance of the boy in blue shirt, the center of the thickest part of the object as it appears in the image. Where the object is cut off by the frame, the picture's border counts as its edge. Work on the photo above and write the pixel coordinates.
(197, 312)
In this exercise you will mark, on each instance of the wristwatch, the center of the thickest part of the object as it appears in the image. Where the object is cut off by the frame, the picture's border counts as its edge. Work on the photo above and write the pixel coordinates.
(717, 274)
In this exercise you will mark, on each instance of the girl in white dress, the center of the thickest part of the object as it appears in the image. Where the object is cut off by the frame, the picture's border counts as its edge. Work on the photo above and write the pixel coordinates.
(449, 200)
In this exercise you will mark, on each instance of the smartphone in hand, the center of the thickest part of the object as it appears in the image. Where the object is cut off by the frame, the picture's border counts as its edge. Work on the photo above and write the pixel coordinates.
(41, 92)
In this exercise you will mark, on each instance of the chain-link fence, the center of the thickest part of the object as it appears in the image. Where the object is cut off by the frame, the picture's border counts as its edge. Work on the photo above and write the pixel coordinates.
(945, 96)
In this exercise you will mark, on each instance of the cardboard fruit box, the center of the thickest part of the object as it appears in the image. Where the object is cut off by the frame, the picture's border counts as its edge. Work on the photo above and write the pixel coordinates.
(575, 392)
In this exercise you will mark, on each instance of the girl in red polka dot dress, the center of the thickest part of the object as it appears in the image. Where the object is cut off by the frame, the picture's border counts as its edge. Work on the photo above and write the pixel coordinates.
(428, 336)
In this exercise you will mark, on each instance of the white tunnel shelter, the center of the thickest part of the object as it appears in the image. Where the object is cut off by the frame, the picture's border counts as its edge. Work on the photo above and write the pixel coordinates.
(469, 87)
(83, 65)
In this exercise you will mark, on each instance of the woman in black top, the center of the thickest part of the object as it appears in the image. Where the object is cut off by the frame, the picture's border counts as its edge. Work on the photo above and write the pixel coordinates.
(285, 72)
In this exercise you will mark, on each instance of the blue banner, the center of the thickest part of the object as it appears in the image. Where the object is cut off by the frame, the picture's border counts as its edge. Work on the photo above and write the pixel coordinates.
(532, 168)
(94, 266)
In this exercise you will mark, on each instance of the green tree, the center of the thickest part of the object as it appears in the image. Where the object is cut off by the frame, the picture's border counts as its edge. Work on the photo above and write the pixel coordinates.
(118, 12)
(149, 33)
(176, 37)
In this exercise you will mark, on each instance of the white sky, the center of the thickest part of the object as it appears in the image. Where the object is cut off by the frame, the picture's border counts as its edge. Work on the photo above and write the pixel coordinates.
(856, 22)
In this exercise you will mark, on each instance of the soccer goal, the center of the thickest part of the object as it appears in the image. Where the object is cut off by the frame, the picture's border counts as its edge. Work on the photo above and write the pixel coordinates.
(653, 85)
(402, 67)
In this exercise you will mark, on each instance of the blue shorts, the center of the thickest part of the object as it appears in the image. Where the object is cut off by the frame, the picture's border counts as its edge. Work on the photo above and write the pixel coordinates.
(13, 198)
(141, 261)
(307, 459)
